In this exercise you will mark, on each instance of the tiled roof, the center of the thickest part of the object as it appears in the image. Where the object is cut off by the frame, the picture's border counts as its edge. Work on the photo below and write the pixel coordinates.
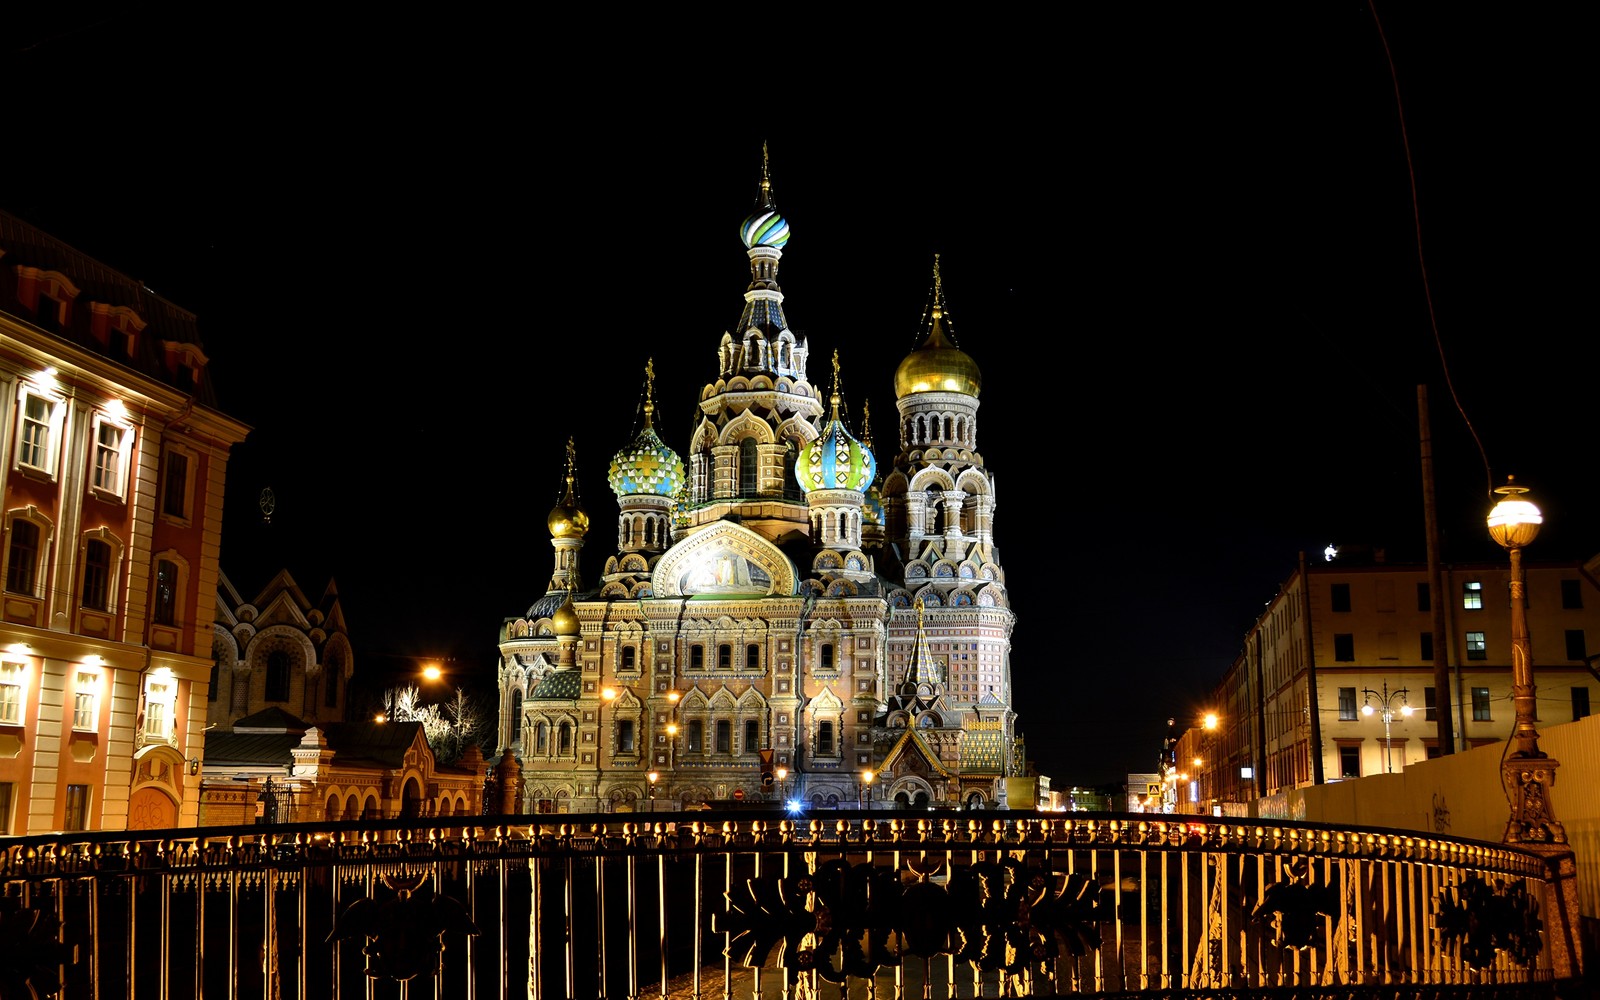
(559, 685)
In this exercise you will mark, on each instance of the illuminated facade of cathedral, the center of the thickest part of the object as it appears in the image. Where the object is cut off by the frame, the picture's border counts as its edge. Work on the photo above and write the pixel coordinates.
(782, 614)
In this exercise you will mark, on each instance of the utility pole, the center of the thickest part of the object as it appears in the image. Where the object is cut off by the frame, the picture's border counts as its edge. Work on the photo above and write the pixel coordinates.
(1441, 638)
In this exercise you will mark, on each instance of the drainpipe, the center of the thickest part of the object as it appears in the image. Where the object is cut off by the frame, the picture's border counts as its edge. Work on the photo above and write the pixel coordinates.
(1311, 672)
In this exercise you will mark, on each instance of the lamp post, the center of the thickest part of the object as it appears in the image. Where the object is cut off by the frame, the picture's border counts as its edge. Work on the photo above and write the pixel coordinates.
(653, 775)
(783, 795)
(865, 788)
(1386, 703)
(608, 694)
(1527, 773)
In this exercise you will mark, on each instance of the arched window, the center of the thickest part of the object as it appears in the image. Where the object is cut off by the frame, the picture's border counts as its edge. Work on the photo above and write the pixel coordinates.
(625, 736)
(96, 574)
(516, 716)
(541, 738)
(749, 468)
(725, 656)
(825, 739)
(277, 675)
(752, 656)
(752, 735)
(564, 740)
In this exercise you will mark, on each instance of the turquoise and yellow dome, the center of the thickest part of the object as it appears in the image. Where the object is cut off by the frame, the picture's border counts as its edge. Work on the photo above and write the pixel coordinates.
(647, 466)
(835, 460)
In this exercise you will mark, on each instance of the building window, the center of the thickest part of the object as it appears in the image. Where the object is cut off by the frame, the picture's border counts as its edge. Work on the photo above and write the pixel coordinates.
(724, 736)
(627, 657)
(1430, 705)
(38, 432)
(85, 701)
(825, 655)
(697, 657)
(165, 611)
(13, 687)
(5, 807)
(1347, 704)
(1339, 597)
(77, 815)
(825, 739)
(1580, 704)
(1477, 649)
(752, 657)
(1571, 594)
(1350, 762)
(155, 711)
(749, 468)
(725, 656)
(1425, 647)
(22, 559)
(564, 739)
(1577, 649)
(1424, 598)
(96, 575)
(277, 676)
(752, 736)
(1472, 595)
(625, 736)
(1344, 647)
(110, 456)
(175, 485)
(1480, 704)
(541, 738)
(516, 715)
(696, 735)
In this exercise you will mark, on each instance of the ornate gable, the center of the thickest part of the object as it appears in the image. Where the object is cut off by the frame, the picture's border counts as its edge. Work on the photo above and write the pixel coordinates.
(725, 559)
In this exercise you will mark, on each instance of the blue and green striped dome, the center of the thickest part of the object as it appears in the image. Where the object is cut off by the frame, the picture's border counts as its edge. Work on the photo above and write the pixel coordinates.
(646, 466)
(766, 228)
(835, 461)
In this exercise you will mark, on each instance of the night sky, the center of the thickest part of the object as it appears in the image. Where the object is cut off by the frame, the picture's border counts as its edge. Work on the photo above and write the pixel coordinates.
(1178, 241)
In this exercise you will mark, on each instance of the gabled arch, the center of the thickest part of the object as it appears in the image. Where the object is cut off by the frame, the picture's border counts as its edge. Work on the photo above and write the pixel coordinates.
(746, 425)
(932, 476)
(677, 572)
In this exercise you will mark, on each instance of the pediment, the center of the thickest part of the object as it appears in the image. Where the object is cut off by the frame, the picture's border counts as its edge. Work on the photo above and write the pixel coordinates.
(724, 559)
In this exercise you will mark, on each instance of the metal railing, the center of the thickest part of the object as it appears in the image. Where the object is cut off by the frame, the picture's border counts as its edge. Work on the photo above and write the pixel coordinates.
(738, 905)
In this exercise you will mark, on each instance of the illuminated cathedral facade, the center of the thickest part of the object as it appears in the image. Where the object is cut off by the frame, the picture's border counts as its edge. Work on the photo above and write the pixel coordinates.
(783, 615)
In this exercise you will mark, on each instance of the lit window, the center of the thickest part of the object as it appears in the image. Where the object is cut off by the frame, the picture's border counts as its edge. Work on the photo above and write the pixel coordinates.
(13, 685)
(110, 456)
(1472, 595)
(156, 710)
(39, 432)
(1477, 649)
(85, 701)
(96, 575)
(1480, 704)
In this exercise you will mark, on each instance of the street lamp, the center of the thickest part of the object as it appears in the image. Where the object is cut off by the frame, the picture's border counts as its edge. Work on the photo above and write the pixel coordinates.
(1514, 522)
(653, 775)
(608, 694)
(1386, 703)
(866, 787)
(782, 773)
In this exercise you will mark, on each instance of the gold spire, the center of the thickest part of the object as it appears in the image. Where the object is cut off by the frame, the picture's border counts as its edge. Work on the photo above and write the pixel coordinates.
(766, 178)
(866, 424)
(649, 390)
(567, 518)
(938, 289)
(835, 397)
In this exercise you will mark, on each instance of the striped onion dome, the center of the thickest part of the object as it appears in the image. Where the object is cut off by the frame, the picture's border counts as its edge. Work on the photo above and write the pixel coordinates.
(647, 466)
(835, 460)
(764, 227)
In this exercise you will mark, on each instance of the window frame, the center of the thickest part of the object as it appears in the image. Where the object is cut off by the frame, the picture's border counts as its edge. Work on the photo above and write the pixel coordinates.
(86, 701)
(627, 737)
(752, 736)
(1344, 647)
(32, 555)
(722, 730)
(184, 491)
(51, 423)
(75, 808)
(14, 678)
(1472, 595)
(1477, 646)
(101, 579)
(277, 676)
(694, 736)
(827, 745)
(109, 466)
(1339, 598)
(169, 613)
(1349, 711)
(1482, 710)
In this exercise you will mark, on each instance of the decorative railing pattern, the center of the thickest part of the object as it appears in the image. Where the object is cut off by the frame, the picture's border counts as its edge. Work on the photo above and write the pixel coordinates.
(969, 904)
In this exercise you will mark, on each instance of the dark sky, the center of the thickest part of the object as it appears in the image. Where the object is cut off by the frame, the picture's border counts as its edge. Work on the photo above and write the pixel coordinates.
(1178, 240)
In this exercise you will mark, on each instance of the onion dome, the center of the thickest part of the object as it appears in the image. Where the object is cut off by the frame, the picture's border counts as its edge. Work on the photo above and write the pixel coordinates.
(764, 227)
(567, 518)
(565, 619)
(872, 503)
(647, 465)
(835, 460)
(938, 365)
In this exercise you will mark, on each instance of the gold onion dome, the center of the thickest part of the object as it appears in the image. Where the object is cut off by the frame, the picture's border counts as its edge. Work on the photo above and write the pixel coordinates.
(938, 365)
(567, 518)
(647, 466)
(565, 619)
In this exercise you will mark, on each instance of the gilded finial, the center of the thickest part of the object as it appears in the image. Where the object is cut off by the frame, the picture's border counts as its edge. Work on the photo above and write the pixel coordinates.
(938, 288)
(835, 399)
(919, 614)
(866, 424)
(766, 177)
(572, 470)
(649, 390)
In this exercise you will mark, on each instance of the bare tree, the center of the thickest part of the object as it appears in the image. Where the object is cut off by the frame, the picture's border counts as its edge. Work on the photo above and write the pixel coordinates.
(449, 727)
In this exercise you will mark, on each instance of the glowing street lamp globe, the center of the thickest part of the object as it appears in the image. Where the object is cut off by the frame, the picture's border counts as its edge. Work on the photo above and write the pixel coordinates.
(1514, 522)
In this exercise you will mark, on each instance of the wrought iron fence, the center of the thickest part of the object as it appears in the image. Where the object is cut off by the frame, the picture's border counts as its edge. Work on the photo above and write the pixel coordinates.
(731, 905)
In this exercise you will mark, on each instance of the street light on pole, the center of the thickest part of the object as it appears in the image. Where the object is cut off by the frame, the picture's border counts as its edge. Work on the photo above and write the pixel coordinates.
(1386, 703)
(608, 694)
(653, 775)
(866, 787)
(783, 794)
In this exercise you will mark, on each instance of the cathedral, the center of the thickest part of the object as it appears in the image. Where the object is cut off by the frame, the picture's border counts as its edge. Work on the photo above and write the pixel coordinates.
(784, 617)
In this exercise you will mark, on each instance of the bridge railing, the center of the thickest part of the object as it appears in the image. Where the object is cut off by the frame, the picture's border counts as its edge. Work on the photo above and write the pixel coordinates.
(743, 905)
